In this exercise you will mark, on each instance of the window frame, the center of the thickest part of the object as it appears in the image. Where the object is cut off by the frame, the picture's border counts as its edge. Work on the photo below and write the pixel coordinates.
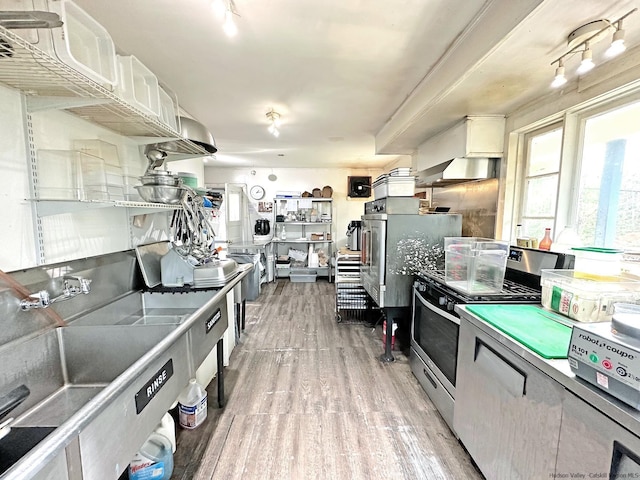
(573, 123)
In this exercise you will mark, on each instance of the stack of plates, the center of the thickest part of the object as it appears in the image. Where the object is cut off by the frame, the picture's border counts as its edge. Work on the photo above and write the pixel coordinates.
(400, 172)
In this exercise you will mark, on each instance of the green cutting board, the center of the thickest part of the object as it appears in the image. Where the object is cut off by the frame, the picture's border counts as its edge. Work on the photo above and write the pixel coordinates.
(530, 325)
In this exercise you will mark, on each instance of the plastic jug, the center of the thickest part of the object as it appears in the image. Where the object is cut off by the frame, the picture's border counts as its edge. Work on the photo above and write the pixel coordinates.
(167, 427)
(192, 405)
(153, 461)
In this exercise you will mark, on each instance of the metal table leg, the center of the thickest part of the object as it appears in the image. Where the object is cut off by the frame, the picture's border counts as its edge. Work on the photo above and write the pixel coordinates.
(387, 356)
(220, 351)
(244, 312)
(238, 310)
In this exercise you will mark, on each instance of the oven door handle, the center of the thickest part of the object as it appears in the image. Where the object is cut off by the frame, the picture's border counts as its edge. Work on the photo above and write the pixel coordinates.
(436, 310)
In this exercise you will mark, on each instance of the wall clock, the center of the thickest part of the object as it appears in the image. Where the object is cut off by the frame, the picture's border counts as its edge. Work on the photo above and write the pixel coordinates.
(256, 192)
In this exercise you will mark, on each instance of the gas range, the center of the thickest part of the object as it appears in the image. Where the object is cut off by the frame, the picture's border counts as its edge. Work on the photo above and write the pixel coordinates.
(435, 324)
(512, 291)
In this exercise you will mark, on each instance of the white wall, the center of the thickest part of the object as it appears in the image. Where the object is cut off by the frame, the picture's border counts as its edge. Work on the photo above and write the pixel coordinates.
(18, 241)
(87, 232)
(300, 180)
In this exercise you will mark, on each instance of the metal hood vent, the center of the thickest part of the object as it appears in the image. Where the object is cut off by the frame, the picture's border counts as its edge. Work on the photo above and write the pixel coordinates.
(457, 170)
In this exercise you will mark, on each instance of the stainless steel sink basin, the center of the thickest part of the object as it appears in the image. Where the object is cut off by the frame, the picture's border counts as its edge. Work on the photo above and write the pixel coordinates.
(72, 365)
(18, 442)
(94, 377)
(144, 309)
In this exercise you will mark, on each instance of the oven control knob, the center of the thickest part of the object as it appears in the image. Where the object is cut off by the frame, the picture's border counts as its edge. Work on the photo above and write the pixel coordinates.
(442, 301)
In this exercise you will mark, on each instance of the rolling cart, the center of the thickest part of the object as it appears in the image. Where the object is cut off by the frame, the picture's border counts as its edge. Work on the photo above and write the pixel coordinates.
(353, 304)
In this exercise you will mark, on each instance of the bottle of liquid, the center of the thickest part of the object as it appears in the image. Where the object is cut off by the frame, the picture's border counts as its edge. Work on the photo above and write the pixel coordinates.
(283, 233)
(167, 427)
(545, 243)
(154, 460)
(192, 405)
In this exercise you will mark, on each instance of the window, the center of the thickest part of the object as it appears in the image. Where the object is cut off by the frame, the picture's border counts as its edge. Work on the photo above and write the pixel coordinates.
(608, 213)
(540, 183)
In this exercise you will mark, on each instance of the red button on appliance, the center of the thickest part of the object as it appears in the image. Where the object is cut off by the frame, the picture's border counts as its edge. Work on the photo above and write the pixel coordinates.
(607, 364)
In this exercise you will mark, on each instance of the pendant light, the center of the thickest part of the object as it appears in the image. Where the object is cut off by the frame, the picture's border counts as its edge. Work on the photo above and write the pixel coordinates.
(274, 123)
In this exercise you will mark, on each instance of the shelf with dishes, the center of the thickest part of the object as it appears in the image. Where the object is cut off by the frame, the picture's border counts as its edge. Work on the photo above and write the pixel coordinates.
(303, 238)
(49, 83)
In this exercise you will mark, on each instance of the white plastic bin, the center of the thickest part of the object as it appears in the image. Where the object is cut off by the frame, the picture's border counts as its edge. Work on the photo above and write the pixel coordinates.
(597, 263)
(168, 109)
(81, 42)
(137, 85)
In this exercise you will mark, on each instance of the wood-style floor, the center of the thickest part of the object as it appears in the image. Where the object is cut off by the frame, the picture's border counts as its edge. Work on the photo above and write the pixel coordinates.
(308, 398)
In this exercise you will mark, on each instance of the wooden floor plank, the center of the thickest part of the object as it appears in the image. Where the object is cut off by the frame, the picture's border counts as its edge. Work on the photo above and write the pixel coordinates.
(307, 397)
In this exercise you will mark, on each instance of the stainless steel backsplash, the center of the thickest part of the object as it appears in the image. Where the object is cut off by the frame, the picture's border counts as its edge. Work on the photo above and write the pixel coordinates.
(477, 202)
(112, 276)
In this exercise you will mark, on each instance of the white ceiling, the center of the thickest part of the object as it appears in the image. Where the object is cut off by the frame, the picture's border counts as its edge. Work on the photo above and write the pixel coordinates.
(349, 77)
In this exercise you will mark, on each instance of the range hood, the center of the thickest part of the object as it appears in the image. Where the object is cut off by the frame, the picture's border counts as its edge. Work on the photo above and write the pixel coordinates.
(457, 170)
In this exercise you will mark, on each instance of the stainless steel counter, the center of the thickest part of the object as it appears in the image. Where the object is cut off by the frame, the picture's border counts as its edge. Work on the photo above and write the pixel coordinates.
(91, 420)
(560, 371)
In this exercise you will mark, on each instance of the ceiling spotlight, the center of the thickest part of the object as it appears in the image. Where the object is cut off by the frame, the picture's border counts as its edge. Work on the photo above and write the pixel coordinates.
(617, 44)
(587, 60)
(226, 9)
(274, 123)
(560, 78)
(219, 8)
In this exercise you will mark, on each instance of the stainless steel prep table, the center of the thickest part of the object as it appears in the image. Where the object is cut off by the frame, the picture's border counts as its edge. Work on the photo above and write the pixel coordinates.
(560, 371)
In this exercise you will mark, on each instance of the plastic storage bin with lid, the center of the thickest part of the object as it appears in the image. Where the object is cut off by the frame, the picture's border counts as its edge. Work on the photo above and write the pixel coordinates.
(81, 42)
(597, 263)
(138, 86)
(475, 265)
(586, 299)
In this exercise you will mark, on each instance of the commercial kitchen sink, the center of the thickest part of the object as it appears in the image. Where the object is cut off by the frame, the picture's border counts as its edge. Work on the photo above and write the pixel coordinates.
(76, 376)
(100, 385)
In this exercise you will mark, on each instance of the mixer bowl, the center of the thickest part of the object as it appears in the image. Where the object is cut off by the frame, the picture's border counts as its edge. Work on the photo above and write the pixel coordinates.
(161, 193)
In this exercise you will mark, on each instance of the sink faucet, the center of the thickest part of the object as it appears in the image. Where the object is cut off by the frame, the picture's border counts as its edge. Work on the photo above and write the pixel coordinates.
(72, 286)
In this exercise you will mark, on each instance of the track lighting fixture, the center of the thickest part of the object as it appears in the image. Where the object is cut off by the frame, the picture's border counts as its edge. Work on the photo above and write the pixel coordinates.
(226, 10)
(560, 78)
(581, 41)
(617, 43)
(587, 60)
(274, 123)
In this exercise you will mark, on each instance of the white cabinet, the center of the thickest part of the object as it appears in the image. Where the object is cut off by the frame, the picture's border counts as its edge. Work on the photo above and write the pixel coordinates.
(474, 137)
(305, 226)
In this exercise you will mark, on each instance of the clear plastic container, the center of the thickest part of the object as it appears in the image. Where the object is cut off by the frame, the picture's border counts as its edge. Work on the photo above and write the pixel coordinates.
(137, 85)
(475, 265)
(597, 263)
(192, 405)
(99, 148)
(59, 175)
(584, 299)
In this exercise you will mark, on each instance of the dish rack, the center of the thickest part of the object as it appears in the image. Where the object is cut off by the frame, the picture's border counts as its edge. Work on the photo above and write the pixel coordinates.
(353, 304)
